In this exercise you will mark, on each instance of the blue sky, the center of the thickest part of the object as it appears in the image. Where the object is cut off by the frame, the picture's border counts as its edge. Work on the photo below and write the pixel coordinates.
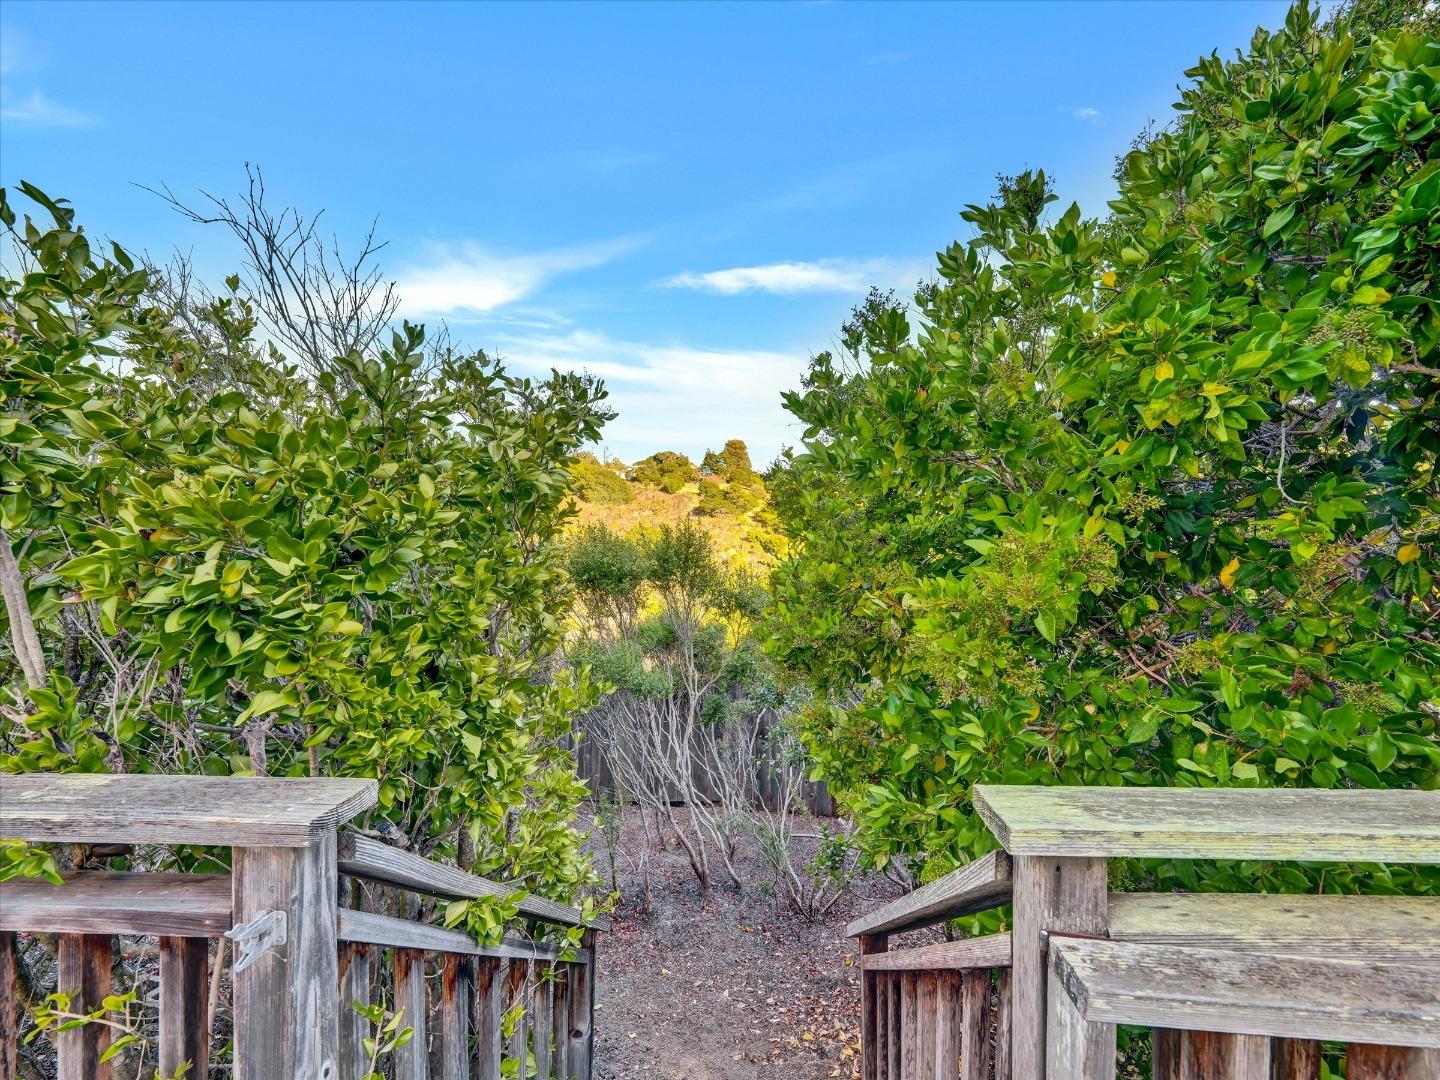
(686, 199)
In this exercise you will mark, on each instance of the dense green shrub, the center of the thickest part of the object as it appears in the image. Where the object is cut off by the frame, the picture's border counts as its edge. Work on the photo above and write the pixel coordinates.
(352, 575)
(598, 484)
(1149, 500)
(666, 470)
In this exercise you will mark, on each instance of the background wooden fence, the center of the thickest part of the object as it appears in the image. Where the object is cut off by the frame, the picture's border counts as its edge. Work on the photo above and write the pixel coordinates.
(768, 775)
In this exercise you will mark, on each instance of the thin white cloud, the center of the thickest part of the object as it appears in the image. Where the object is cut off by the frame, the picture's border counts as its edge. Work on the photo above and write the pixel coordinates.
(36, 110)
(787, 278)
(673, 396)
(456, 280)
(1085, 112)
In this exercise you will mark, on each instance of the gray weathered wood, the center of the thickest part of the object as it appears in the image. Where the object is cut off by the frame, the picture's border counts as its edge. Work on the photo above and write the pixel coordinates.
(105, 902)
(1294, 1059)
(1213, 1055)
(1165, 1054)
(1049, 894)
(1003, 1025)
(456, 990)
(880, 988)
(1075, 1048)
(9, 1004)
(184, 1005)
(870, 945)
(489, 1014)
(1400, 928)
(1367, 1062)
(927, 1008)
(949, 1023)
(387, 930)
(1246, 993)
(364, 857)
(239, 811)
(560, 1021)
(412, 1061)
(975, 1025)
(976, 886)
(582, 1024)
(910, 1033)
(894, 1039)
(542, 1019)
(517, 980)
(84, 973)
(1318, 825)
(286, 1007)
(991, 951)
(354, 1028)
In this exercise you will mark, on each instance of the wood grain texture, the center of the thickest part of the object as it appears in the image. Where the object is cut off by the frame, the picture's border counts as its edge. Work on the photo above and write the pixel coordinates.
(881, 989)
(949, 1024)
(1224, 823)
(184, 1035)
(1075, 1048)
(238, 811)
(1294, 1059)
(560, 1021)
(286, 1006)
(870, 945)
(894, 1037)
(1213, 1055)
(1165, 1054)
(369, 928)
(1050, 894)
(364, 857)
(107, 902)
(976, 886)
(517, 981)
(84, 973)
(1365, 1062)
(354, 1028)
(1003, 1013)
(489, 1013)
(1398, 928)
(927, 1009)
(582, 1024)
(543, 1019)
(412, 1061)
(1247, 993)
(991, 951)
(910, 1033)
(975, 1025)
(9, 1004)
(453, 1017)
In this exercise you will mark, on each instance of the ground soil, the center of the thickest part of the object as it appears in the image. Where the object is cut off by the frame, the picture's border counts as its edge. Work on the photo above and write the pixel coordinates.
(725, 983)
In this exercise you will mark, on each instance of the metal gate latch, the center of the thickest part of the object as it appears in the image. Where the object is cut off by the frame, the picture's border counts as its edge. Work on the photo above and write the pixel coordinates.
(253, 938)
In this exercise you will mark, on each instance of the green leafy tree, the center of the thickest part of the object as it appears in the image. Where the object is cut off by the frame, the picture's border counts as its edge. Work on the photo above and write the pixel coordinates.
(598, 484)
(666, 470)
(1148, 500)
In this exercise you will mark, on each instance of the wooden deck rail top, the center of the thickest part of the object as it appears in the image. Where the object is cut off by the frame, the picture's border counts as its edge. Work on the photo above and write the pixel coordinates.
(235, 811)
(1293, 824)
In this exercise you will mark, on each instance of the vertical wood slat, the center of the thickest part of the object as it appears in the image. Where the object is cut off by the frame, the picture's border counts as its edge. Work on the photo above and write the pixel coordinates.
(1003, 1012)
(1076, 1048)
(560, 1021)
(9, 1004)
(929, 1002)
(895, 1038)
(909, 1024)
(974, 1015)
(515, 980)
(869, 1045)
(1210, 1055)
(949, 1023)
(412, 1061)
(354, 1028)
(591, 941)
(1165, 1054)
(184, 1005)
(453, 1013)
(286, 1010)
(1294, 1059)
(1364, 1062)
(84, 973)
(1049, 893)
(489, 1016)
(883, 1034)
(544, 1019)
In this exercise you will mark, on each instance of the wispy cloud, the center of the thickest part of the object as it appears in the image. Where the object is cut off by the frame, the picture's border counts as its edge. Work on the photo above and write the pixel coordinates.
(1085, 112)
(666, 394)
(785, 278)
(461, 279)
(36, 110)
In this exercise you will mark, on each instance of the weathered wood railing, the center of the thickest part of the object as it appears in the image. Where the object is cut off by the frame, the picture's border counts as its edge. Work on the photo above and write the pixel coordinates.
(1240, 987)
(302, 961)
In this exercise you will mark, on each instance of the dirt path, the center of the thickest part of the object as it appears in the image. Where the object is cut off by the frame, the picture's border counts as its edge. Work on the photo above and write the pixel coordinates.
(724, 984)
